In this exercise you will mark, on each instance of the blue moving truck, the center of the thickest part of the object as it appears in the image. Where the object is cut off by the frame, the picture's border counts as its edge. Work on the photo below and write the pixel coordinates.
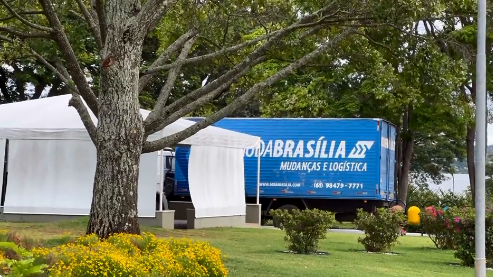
(332, 164)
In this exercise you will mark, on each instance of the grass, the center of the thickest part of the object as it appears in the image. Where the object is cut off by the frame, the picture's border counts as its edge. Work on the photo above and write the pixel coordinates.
(344, 225)
(337, 225)
(254, 252)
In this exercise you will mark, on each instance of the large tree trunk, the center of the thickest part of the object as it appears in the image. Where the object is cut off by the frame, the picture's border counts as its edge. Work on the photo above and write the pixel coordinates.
(470, 138)
(471, 167)
(120, 129)
(403, 183)
(119, 146)
(406, 147)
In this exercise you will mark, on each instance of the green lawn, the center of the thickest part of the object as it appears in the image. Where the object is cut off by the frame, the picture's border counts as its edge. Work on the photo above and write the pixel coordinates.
(337, 225)
(254, 252)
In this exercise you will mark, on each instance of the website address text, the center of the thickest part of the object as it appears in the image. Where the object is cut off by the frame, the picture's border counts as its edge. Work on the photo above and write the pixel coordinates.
(292, 185)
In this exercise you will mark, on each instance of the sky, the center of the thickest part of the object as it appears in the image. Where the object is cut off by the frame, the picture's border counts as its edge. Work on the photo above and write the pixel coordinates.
(458, 183)
(421, 29)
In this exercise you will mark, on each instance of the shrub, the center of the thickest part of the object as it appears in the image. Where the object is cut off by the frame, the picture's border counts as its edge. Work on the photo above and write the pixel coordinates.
(382, 229)
(437, 223)
(304, 229)
(16, 261)
(464, 236)
(422, 196)
(133, 255)
(410, 228)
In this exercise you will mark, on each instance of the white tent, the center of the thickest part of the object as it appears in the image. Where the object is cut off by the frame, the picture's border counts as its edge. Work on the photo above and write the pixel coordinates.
(52, 162)
(52, 118)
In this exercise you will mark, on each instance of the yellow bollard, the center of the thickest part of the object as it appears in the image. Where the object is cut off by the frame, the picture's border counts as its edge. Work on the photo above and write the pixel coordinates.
(413, 215)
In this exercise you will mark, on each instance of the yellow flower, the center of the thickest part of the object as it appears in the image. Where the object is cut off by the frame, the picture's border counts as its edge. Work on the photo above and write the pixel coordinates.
(134, 255)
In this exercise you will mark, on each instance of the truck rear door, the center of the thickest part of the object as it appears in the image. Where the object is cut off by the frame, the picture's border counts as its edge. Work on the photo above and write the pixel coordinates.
(387, 160)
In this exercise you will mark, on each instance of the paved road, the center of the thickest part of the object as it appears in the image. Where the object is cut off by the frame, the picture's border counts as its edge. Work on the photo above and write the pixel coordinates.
(350, 231)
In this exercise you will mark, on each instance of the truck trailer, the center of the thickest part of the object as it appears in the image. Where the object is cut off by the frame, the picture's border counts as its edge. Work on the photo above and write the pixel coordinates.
(331, 164)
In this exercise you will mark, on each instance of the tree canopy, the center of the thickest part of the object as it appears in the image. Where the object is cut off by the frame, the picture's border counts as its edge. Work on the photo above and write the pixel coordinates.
(245, 58)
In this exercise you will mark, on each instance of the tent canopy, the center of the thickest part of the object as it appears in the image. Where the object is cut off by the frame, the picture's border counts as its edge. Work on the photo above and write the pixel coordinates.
(52, 119)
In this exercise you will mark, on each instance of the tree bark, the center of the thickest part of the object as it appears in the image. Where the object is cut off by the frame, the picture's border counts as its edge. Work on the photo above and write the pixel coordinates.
(120, 136)
(406, 144)
(120, 130)
(403, 185)
(119, 144)
(471, 167)
(470, 139)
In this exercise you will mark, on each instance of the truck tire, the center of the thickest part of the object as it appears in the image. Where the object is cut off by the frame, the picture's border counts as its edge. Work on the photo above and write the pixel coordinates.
(284, 207)
(164, 203)
(169, 186)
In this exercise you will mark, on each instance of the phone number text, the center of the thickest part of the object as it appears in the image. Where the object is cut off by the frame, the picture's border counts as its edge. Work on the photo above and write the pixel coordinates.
(320, 185)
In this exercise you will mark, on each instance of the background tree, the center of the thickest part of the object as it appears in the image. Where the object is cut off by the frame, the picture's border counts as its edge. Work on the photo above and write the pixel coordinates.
(398, 75)
(456, 36)
(118, 31)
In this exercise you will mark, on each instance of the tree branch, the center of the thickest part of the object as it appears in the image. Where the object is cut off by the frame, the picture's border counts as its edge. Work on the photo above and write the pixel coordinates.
(47, 64)
(96, 32)
(206, 57)
(151, 13)
(21, 13)
(23, 35)
(273, 36)
(173, 107)
(98, 8)
(192, 106)
(68, 53)
(59, 66)
(168, 86)
(79, 106)
(80, 16)
(75, 101)
(371, 40)
(152, 146)
(23, 20)
(163, 58)
(57, 73)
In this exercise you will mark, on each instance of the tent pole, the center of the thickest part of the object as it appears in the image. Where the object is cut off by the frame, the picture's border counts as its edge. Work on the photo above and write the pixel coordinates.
(161, 181)
(258, 173)
(5, 164)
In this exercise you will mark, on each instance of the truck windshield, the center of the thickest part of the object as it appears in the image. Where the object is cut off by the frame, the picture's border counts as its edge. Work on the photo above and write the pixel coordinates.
(169, 163)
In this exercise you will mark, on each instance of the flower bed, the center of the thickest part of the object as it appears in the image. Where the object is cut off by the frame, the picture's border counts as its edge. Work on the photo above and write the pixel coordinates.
(119, 255)
(454, 228)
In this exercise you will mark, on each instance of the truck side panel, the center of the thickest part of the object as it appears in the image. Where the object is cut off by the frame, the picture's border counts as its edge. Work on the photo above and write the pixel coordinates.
(312, 158)
(387, 162)
(181, 170)
(384, 160)
(392, 186)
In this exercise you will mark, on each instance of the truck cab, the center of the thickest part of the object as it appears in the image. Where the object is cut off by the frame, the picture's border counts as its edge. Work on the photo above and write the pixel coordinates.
(168, 177)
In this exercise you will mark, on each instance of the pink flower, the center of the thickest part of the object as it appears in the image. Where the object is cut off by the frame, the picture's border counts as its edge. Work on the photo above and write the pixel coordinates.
(440, 212)
(457, 220)
(403, 232)
(431, 210)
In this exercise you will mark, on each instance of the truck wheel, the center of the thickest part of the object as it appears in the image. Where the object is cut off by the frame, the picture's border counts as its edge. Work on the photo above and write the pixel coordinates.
(285, 207)
(169, 186)
(164, 204)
